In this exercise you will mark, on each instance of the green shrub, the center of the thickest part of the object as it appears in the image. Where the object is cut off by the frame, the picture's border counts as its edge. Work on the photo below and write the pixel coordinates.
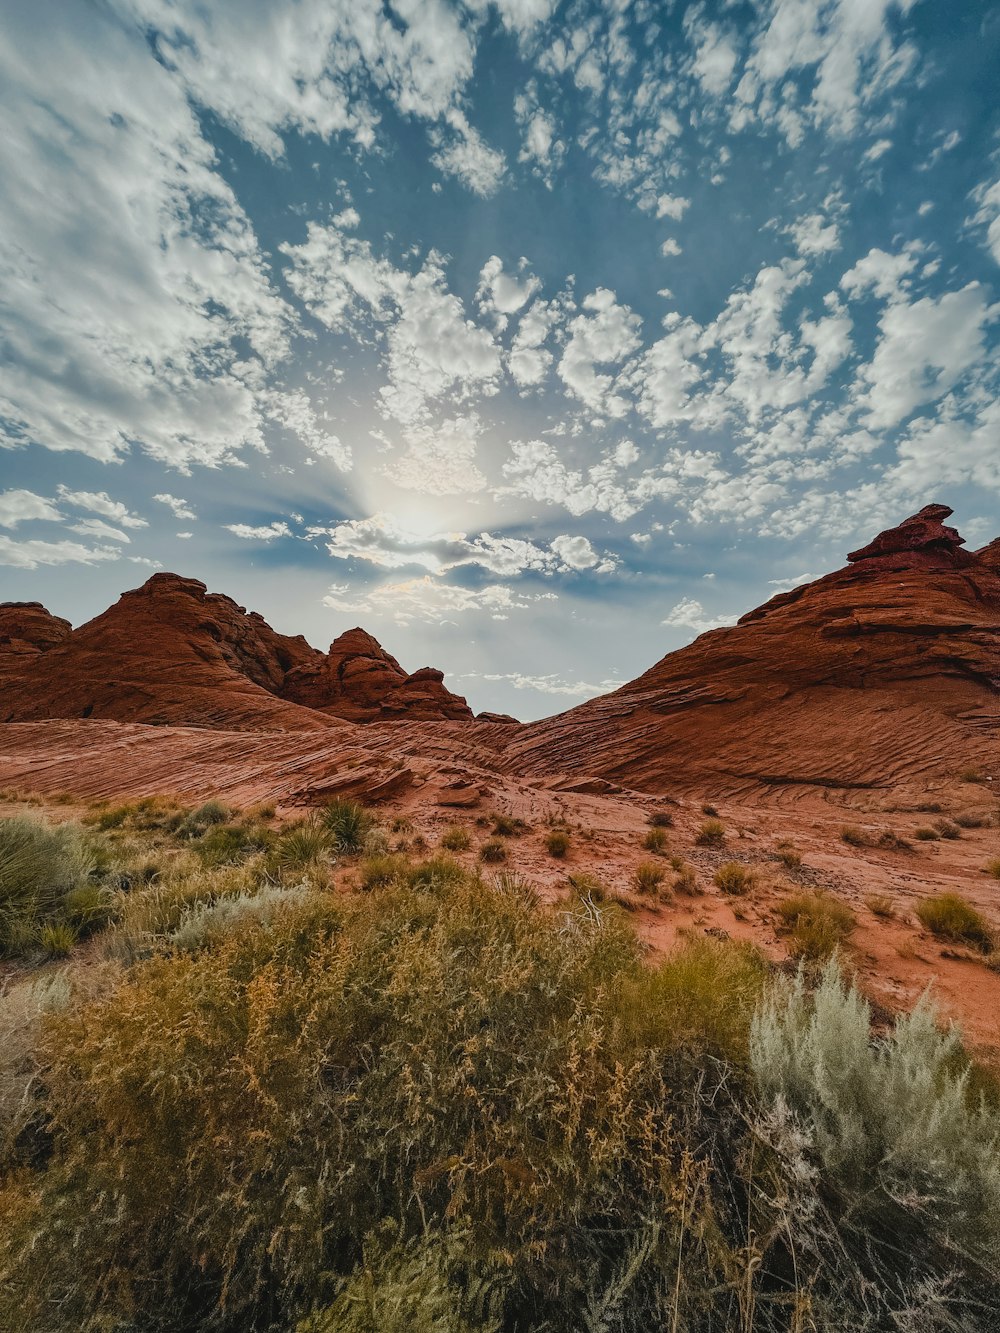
(347, 823)
(232, 844)
(506, 826)
(377, 872)
(493, 851)
(57, 939)
(656, 841)
(907, 1156)
(557, 843)
(299, 847)
(648, 877)
(815, 923)
(436, 873)
(711, 834)
(455, 839)
(951, 917)
(734, 878)
(39, 866)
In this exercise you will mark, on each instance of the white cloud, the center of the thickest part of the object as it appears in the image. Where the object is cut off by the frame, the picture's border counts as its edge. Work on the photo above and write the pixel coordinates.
(179, 508)
(541, 146)
(671, 206)
(550, 684)
(528, 359)
(575, 552)
(607, 333)
(690, 614)
(31, 554)
(96, 527)
(99, 502)
(24, 506)
(814, 235)
(502, 291)
(988, 215)
(258, 534)
(881, 273)
(715, 56)
(669, 248)
(877, 150)
(924, 348)
(431, 599)
(462, 153)
(950, 450)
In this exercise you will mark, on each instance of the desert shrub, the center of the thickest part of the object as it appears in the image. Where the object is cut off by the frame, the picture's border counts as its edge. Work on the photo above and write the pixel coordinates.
(656, 841)
(56, 939)
(493, 851)
(735, 878)
(908, 1160)
(589, 885)
(648, 877)
(198, 821)
(972, 819)
(232, 844)
(426, 1283)
(377, 872)
(22, 1009)
(972, 773)
(89, 907)
(347, 823)
(815, 924)
(686, 880)
(947, 829)
(39, 866)
(205, 925)
(788, 856)
(950, 917)
(455, 839)
(926, 834)
(299, 847)
(435, 873)
(854, 836)
(992, 867)
(660, 819)
(557, 843)
(880, 904)
(710, 810)
(711, 834)
(506, 826)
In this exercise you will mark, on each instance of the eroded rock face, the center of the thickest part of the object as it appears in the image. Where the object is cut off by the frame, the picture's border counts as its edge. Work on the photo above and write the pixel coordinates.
(888, 666)
(173, 653)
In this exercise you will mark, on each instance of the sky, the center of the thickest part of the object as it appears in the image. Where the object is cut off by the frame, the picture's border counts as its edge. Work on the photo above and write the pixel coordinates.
(535, 337)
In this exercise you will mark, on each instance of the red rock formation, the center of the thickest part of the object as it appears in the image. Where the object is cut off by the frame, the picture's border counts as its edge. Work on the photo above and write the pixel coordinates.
(887, 668)
(359, 680)
(172, 653)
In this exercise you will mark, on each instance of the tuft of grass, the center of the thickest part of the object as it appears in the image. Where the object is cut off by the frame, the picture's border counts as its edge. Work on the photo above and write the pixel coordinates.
(854, 836)
(881, 905)
(557, 843)
(506, 826)
(686, 880)
(300, 847)
(39, 868)
(947, 829)
(710, 810)
(648, 877)
(348, 824)
(926, 834)
(493, 851)
(436, 873)
(588, 885)
(992, 867)
(656, 841)
(455, 838)
(972, 773)
(788, 856)
(949, 916)
(378, 872)
(972, 819)
(711, 834)
(232, 844)
(815, 924)
(57, 939)
(734, 878)
(660, 819)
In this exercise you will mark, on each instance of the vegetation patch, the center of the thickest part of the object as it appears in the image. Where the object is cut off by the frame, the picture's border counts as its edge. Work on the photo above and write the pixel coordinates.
(815, 924)
(734, 878)
(711, 834)
(950, 917)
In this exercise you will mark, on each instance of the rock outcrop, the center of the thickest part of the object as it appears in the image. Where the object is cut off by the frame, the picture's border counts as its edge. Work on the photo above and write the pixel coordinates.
(886, 668)
(172, 653)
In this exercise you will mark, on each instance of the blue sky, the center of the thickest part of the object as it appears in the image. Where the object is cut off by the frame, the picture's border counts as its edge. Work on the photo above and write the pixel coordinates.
(534, 337)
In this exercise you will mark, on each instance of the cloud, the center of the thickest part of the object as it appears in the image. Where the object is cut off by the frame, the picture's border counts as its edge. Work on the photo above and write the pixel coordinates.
(690, 614)
(549, 684)
(266, 533)
(924, 348)
(96, 527)
(988, 215)
(672, 206)
(501, 291)
(384, 542)
(179, 508)
(462, 153)
(814, 235)
(607, 333)
(669, 248)
(431, 599)
(880, 273)
(24, 506)
(99, 502)
(31, 554)
(541, 146)
(715, 56)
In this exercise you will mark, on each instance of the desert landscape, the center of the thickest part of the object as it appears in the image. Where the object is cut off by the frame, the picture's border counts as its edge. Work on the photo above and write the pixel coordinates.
(846, 736)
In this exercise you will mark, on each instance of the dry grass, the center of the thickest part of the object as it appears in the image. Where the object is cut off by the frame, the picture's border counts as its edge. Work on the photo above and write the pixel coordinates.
(648, 877)
(711, 834)
(557, 843)
(656, 841)
(881, 905)
(734, 878)
(814, 924)
(949, 916)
